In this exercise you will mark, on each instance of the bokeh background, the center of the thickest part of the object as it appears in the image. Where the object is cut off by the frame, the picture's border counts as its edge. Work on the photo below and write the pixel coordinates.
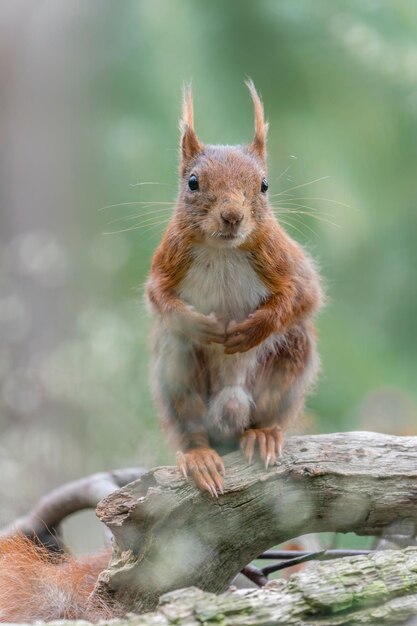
(90, 100)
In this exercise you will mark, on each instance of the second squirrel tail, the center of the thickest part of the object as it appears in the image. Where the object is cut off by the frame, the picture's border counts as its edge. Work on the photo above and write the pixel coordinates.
(35, 585)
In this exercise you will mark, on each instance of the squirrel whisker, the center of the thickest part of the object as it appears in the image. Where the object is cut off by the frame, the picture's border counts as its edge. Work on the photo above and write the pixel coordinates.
(310, 182)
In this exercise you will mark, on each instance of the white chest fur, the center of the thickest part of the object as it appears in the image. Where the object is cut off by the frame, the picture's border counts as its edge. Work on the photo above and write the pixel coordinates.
(222, 280)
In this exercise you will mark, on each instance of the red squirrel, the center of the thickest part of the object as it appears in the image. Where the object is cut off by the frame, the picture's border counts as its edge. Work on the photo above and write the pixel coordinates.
(233, 296)
(234, 348)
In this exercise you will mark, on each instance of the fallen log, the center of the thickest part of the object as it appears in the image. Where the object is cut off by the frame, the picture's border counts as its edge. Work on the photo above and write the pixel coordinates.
(167, 535)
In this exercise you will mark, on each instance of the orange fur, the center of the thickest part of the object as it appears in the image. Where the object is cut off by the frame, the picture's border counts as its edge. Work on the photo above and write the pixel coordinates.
(291, 278)
(169, 265)
(37, 586)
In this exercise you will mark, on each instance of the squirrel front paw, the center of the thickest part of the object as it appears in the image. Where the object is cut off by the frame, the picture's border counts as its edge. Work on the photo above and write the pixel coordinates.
(269, 442)
(245, 335)
(205, 467)
(203, 329)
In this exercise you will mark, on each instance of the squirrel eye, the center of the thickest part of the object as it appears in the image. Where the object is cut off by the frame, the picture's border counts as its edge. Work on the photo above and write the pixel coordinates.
(264, 185)
(193, 182)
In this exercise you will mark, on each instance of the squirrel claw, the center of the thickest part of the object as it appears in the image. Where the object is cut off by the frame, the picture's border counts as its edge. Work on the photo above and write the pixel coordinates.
(182, 464)
(269, 442)
(214, 492)
(205, 467)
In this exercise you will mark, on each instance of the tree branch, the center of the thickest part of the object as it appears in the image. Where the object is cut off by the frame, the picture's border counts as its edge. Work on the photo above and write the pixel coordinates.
(168, 535)
(43, 521)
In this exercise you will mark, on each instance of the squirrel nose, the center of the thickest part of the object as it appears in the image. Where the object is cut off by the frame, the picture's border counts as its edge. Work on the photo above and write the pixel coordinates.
(232, 218)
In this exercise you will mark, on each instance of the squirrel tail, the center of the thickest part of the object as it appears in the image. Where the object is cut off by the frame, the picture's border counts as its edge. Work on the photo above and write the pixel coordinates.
(35, 585)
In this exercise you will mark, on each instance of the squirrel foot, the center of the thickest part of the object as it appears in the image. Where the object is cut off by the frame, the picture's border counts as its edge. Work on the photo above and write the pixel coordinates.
(205, 467)
(269, 440)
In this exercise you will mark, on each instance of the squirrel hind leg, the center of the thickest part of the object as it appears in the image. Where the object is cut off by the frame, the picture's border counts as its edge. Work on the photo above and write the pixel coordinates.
(229, 411)
(287, 377)
(279, 393)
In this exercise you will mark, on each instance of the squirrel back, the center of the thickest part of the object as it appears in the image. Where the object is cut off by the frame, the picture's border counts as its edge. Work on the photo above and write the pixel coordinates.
(35, 585)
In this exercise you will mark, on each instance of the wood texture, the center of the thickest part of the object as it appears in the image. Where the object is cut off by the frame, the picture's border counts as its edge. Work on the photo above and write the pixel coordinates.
(169, 536)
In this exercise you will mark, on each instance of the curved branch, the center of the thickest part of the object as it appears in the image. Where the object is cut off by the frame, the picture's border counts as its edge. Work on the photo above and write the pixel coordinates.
(168, 535)
(43, 522)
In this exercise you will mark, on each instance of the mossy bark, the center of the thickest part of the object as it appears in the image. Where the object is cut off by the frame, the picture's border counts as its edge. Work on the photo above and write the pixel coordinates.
(373, 590)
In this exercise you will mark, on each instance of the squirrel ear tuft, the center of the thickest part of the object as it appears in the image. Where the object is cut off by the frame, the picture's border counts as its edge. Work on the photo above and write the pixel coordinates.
(261, 127)
(190, 145)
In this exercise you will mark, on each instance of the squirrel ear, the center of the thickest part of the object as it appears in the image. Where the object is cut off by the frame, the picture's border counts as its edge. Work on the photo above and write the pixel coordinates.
(261, 127)
(190, 145)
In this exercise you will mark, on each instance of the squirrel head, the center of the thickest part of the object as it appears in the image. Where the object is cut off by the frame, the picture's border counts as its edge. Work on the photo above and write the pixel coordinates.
(223, 189)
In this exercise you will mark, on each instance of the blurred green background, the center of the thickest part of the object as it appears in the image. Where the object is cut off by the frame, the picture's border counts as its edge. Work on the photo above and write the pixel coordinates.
(90, 107)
